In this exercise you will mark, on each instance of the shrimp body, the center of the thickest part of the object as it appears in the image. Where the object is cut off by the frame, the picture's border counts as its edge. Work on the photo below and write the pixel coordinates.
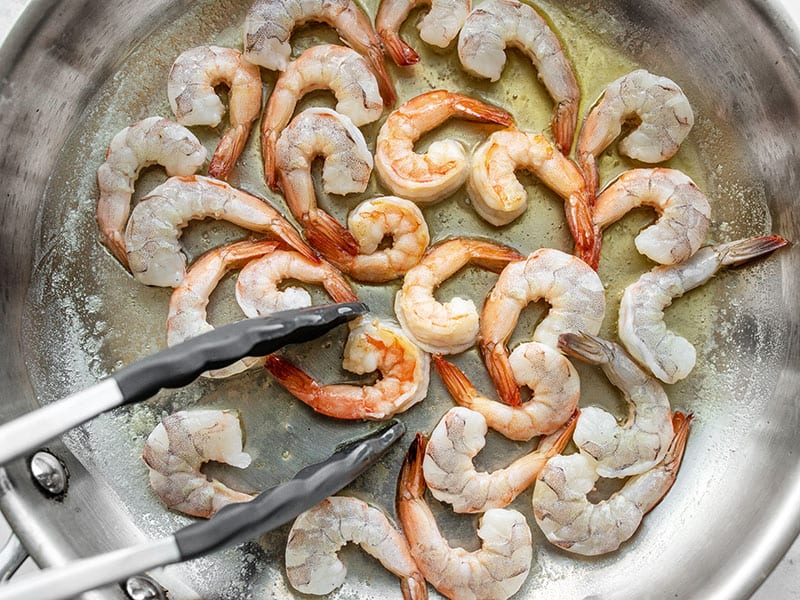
(452, 477)
(497, 24)
(494, 572)
(180, 445)
(434, 175)
(452, 326)
(372, 345)
(577, 303)
(152, 235)
(642, 330)
(340, 69)
(318, 534)
(154, 140)
(570, 521)
(190, 89)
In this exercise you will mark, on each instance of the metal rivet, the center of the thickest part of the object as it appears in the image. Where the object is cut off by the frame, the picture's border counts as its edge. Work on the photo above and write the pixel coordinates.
(141, 587)
(49, 473)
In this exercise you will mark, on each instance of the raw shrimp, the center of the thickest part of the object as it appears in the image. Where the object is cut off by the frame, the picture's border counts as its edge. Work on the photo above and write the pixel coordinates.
(340, 69)
(496, 24)
(438, 28)
(190, 89)
(434, 175)
(153, 232)
(180, 445)
(373, 345)
(269, 24)
(641, 311)
(555, 391)
(641, 441)
(570, 521)
(318, 534)
(452, 477)
(257, 289)
(494, 572)
(577, 303)
(657, 104)
(151, 141)
(450, 327)
(187, 306)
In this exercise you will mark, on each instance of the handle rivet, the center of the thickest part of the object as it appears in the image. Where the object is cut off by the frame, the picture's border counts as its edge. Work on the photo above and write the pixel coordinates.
(49, 473)
(141, 587)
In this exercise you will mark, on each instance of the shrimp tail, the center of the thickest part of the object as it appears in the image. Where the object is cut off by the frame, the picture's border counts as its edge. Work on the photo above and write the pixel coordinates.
(556, 442)
(674, 456)
(495, 356)
(228, 150)
(588, 348)
(493, 257)
(456, 382)
(742, 251)
(115, 242)
(414, 587)
(294, 379)
(385, 85)
(286, 233)
(269, 140)
(475, 110)
(411, 483)
(583, 229)
(339, 289)
(327, 235)
(401, 53)
(563, 124)
(588, 165)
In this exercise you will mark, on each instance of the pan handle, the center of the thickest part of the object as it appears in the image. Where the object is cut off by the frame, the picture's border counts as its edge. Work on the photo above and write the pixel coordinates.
(12, 555)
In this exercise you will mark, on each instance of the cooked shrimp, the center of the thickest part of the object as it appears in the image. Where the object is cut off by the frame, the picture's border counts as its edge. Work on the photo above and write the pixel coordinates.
(494, 572)
(190, 89)
(434, 175)
(659, 106)
(577, 303)
(450, 327)
(570, 521)
(318, 534)
(257, 290)
(340, 69)
(147, 142)
(153, 232)
(641, 441)
(438, 28)
(496, 24)
(269, 24)
(641, 312)
(180, 445)
(372, 345)
(187, 306)
(452, 477)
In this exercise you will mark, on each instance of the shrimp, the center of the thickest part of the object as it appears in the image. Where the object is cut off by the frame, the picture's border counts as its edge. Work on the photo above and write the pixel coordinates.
(659, 106)
(577, 303)
(147, 142)
(372, 345)
(496, 24)
(152, 235)
(494, 572)
(452, 477)
(257, 289)
(641, 312)
(180, 445)
(450, 327)
(570, 521)
(641, 441)
(429, 177)
(318, 534)
(553, 381)
(269, 24)
(337, 68)
(187, 306)
(438, 28)
(190, 89)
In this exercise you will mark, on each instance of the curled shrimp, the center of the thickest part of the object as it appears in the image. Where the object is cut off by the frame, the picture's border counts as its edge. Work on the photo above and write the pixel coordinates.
(452, 326)
(659, 106)
(434, 175)
(340, 69)
(642, 330)
(318, 534)
(577, 303)
(438, 27)
(641, 441)
(190, 89)
(494, 572)
(152, 235)
(180, 445)
(147, 142)
(187, 316)
(269, 24)
(496, 24)
(452, 477)
(570, 521)
(372, 345)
